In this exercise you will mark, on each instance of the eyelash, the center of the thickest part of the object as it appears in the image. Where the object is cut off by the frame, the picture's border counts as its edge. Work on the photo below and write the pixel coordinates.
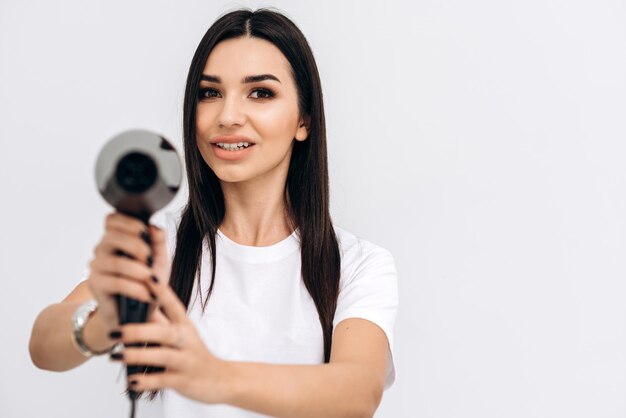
(267, 92)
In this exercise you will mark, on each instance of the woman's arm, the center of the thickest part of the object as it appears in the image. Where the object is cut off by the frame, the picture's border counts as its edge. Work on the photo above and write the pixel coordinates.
(51, 347)
(351, 385)
(328, 390)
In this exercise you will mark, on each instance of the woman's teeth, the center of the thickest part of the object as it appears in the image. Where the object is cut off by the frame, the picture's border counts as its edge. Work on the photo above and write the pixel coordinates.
(233, 147)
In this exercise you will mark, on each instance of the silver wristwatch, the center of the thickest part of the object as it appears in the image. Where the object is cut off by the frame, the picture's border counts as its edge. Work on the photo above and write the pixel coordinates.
(79, 319)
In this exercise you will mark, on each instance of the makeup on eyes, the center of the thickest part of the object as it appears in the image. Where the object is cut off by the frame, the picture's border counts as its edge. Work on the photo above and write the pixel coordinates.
(265, 92)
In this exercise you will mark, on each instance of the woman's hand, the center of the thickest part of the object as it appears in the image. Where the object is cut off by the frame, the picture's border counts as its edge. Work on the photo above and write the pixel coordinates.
(111, 273)
(190, 369)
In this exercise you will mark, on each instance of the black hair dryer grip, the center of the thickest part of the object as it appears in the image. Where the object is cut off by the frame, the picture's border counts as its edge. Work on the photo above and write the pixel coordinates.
(138, 172)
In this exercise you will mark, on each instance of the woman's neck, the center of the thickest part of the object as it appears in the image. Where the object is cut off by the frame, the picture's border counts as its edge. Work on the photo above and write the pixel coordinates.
(255, 212)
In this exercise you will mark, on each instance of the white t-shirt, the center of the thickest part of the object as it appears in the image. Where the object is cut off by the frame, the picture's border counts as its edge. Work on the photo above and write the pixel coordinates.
(261, 311)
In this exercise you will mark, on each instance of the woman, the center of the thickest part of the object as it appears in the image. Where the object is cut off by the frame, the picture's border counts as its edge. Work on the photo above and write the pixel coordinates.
(295, 316)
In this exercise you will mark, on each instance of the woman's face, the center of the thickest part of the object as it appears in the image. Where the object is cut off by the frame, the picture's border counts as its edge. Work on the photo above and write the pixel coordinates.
(247, 95)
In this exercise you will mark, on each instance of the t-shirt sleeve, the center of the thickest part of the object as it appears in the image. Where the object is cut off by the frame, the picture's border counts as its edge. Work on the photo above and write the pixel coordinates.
(370, 291)
(83, 276)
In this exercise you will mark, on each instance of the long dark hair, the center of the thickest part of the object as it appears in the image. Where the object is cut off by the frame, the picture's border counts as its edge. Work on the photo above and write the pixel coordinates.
(306, 191)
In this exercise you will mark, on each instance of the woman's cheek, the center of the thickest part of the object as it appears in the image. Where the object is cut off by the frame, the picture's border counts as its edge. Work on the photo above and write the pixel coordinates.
(276, 122)
(266, 118)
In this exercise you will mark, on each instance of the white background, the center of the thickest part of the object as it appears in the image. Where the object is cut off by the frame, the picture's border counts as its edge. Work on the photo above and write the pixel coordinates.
(481, 142)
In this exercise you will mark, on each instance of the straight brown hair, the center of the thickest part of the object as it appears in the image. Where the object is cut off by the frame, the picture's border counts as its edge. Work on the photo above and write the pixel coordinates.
(306, 191)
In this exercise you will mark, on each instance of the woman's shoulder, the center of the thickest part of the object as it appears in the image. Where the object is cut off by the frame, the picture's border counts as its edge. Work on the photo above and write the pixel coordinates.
(356, 251)
(351, 242)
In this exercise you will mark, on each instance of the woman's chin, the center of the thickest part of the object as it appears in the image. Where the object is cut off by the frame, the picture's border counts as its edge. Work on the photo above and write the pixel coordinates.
(231, 176)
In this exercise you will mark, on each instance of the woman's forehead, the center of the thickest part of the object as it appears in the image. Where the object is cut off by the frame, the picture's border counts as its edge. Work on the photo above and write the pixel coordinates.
(233, 59)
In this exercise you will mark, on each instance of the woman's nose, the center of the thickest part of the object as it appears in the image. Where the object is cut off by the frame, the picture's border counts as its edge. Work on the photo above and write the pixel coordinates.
(231, 113)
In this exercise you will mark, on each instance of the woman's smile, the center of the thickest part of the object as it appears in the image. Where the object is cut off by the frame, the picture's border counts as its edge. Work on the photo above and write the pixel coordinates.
(232, 147)
(231, 152)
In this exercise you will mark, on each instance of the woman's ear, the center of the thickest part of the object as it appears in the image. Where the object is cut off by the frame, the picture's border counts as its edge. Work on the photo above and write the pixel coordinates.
(303, 128)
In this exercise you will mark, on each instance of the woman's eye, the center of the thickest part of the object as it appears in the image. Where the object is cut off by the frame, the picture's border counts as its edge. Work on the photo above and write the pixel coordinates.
(208, 93)
(262, 94)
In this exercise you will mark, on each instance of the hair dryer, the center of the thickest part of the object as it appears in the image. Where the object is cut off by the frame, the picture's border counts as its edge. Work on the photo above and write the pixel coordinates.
(138, 172)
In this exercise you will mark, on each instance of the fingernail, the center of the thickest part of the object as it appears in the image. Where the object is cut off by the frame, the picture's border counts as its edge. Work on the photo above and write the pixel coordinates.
(145, 236)
(150, 261)
(153, 296)
(116, 356)
(114, 335)
(154, 279)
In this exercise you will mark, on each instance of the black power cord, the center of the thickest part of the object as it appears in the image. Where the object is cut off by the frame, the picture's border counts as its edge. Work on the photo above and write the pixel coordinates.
(133, 404)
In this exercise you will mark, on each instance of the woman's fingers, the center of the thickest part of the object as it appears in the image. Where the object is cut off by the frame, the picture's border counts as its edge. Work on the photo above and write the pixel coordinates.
(165, 334)
(169, 302)
(121, 266)
(167, 357)
(159, 245)
(157, 316)
(111, 285)
(155, 381)
(125, 223)
(133, 245)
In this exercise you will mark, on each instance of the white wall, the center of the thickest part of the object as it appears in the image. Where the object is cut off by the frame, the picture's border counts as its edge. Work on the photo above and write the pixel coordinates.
(481, 142)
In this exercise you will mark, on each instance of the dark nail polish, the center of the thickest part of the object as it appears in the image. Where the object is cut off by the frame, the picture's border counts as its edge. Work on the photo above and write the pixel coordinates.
(154, 279)
(146, 237)
(121, 253)
(153, 296)
(117, 356)
(114, 335)
(133, 382)
(150, 261)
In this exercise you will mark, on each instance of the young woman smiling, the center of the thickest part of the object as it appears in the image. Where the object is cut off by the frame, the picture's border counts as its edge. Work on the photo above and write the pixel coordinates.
(298, 314)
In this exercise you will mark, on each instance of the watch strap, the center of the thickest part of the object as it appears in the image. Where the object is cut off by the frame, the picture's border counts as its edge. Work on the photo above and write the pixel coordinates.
(79, 319)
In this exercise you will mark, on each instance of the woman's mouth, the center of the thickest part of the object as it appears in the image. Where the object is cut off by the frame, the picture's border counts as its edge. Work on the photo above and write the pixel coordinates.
(234, 146)
(231, 151)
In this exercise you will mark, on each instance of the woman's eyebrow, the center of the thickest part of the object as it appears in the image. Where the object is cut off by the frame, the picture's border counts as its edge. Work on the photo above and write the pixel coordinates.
(248, 79)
